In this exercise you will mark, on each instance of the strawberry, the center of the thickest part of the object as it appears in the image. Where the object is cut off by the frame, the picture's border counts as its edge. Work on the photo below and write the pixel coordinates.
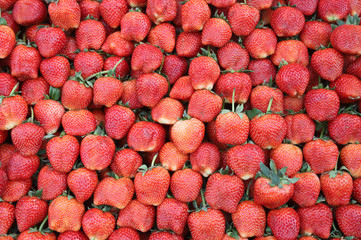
(55, 70)
(13, 111)
(315, 33)
(354, 68)
(291, 51)
(6, 152)
(307, 189)
(207, 224)
(34, 90)
(146, 58)
(29, 12)
(287, 155)
(204, 72)
(328, 63)
(82, 183)
(107, 91)
(322, 104)
(161, 11)
(8, 83)
(118, 120)
(7, 213)
(263, 71)
(78, 123)
(52, 182)
(126, 162)
(146, 136)
(350, 159)
(89, 8)
(76, 94)
(293, 79)
(355, 7)
(260, 4)
(98, 224)
(135, 26)
(90, 34)
(124, 233)
(69, 49)
(287, 21)
(174, 67)
(22, 167)
(14, 190)
(115, 44)
(204, 105)
(306, 7)
(244, 160)
(172, 215)
(121, 66)
(194, 15)
(65, 214)
(261, 43)
(348, 88)
(5, 5)
(35, 234)
(345, 133)
(151, 88)
(163, 36)
(295, 104)
(331, 10)
(151, 184)
(113, 11)
(7, 39)
(50, 41)
(243, 19)
(165, 236)
(356, 192)
(261, 96)
(300, 128)
(30, 210)
(182, 89)
(337, 187)
(216, 32)
(49, 114)
(233, 57)
(227, 83)
(88, 63)
(221, 3)
(188, 44)
(220, 185)
(315, 220)
(137, 216)
(284, 223)
(130, 94)
(348, 219)
(65, 14)
(185, 185)
(25, 62)
(205, 159)
(167, 111)
(171, 158)
(72, 235)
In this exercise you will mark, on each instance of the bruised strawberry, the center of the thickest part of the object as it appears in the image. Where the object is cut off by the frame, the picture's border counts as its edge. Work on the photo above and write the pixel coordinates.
(261, 43)
(135, 26)
(22, 167)
(322, 104)
(172, 215)
(50, 41)
(90, 34)
(233, 57)
(287, 21)
(113, 11)
(328, 63)
(126, 162)
(337, 187)
(284, 223)
(97, 224)
(186, 184)
(291, 51)
(350, 159)
(188, 44)
(216, 32)
(65, 14)
(151, 88)
(207, 224)
(160, 11)
(315, 34)
(343, 216)
(7, 213)
(307, 189)
(243, 19)
(262, 71)
(25, 62)
(13, 111)
(194, 15)
(52, 182)
(29, 12)
(293, 79)
(82, 183)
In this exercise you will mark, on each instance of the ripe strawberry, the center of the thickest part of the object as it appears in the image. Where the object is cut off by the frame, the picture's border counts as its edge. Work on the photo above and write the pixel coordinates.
(82, 183)
(293, 79)
(300, 128)
(69, 50)
(337, 187)
(29, 12)
(261, 43)
(287, 21)
(65, 214)
(90, 34)
(107, 91)
(7, 39)
(89, 8)
(307, 189)
(194, 15)
(113, 11)
(284, 223)
(292, 51)
(203, 72)
(115, 44)
(72, 235)
(315, 220)
(354, 68)
(130, 94)
(5, 5)
(32, 234)
(171, 158)
(263, 71)
(205, 159)
(207, 224)
(50, 41)
(98, 224)
(239, 82)
(24, 62)
(118, 120)
(52, 182)
(330, 11)
(78, 123)
(295, 104)
(287, 155)
(182, 89)
(260, 4)
(204, 105)
(124, 233)
(350, 159)
(146, 136)
(261, 96)
(165, 235)
(348, 219)
(233, 57)
(243, 19)
(13, 111)
(316, 33)
(76, 94)
(328, 63)
(146, 58)
(345, 38)
(306, 7)
(137, 216)
(161, 11)
(121, 66)
(185, 185)
(167, 111)
(14, 190)
(126, 162)
(88, 63)
(163, 36)
(7, 213)
(348, 88)
(22, 167)
(8, 83)
(135, 26)
(356, 192)
(49, 114)
(174, 67)
(188, 44)
(216, 32)
(151, 88)
(172, 215)
(58, 17)
(344, 133)
(322, 104)
(55, 70)
(34, 90)
(30, 210)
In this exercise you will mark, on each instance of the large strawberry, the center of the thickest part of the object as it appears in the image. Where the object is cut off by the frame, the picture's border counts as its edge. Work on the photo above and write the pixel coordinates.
(24, 62)
(233, 57)
(98, 224)
(50, 41)
(345, 133)
(113, 11)
(13, 111)
(243, 19)
(188, 44)
(261, 96)
(186, 184)
(348, 88)
(174, 67)
(328, 63)
(115, 44)
(107, 91)
(315, 33)
(291, 51)
(300, 128)
(52, 182)
(126, 163)
(65, 13)
(55, 70)
(216, 32)
(205, 159)
(135, 26)
(118, 121)
(287, 21)
(49, 114)
(307, 189)
(261, 43)
(88, 63)
(343, 216)
(263, 71)
(151, 88)
(332, 10)
(35, 90)
(204, 105)
(76, 94)
(90, 34)
(182, 89)
(82, 183)
(14, 190)
(22, 167)
(78, 123)
(293, 79)
(171, 158)
(161, 11)
(172, 215)
(287, 155)
(284, 223)
(29, 12)
(194, 15)
(7, 39)
(167, 111)
(306, 7)
(163, 36)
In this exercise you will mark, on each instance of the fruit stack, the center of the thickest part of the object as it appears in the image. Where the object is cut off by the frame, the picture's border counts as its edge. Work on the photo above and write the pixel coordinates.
(170, 119)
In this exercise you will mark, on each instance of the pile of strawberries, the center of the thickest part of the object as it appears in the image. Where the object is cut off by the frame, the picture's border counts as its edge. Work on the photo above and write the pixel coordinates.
(171, 120)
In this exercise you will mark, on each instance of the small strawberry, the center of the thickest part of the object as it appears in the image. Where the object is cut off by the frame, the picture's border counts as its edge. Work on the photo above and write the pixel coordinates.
(328, 63)
(284, 223)
(98, 224)
(50, 41)
(135, 26)
(263, 71)
(287, 155)
(194, 15)
(293, 79)
(291, 51)
(182, 89)
(34, 90)
(188, 44)
(125, 233)
(55, 70)
(65, 14)
(233, 57)
(343, 216)
(331, 10)
(14, 190)
(7, 39)
(130, 94)
(203, 72)
(160, 11)
(261, 43)
(90, 34)
(25, 62)
(78, 123)
(151, 88)
(300, 128)
(163, 36)
(52, 182)
(36, 12)
(186, 184)
(216, 32)
(350, 158)
(307, 189)
(172, 215)
(82, 183)
(72, 235)
(49, 114)
(113, 11)
(7, 214)
(243, 19)
(315, 33)
(287, 21)
(22, 167)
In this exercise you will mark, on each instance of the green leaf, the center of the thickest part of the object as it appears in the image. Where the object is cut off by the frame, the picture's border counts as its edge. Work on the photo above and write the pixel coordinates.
(239, 108)
(275, 179)
(265, 170)
(253, 113)
(293, 180)
(3, 21)
(273, 166)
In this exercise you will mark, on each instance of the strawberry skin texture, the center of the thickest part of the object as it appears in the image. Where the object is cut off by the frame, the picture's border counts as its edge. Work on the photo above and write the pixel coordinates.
(300, 128)
(348, 219)
(14, 190)
(307, 189)
(263, 71)
(185, 185)
(205, 159)
(29, 12)
(261, 95)
(350, 158)
(233, 57)
(348, 88)
(243, 19)
(232, 128)
(118, 121)
(204, 105)
(126, 163)
(7, 83)
(292, 51)
(216, 32)
(182, 89)
(98, 224)
(356, 192)
(208, 224)
(188, 44)
(107, 91)
(55, 70)
(203, 72)
(7, 40)
(125, 233)
(167, 111)
(13, 111)
(113, 11)
(25, 62)
(115, 44)
(151, 88)
(164, 36)
(284, 223)
(315, 34)
(50, 41)
(49, 114)
(165, 235)
(293, 79)
(76, 96)
(261, 43)
(171, 158)
(331, 10)
(345, 128)
(31, 235)
(68, 8)
(78, 123)
(72, 235)
(135, 26)
(161, 10)
(287, 155)
(90, 35)
(82, 183)
(328, 63)
(337, 190)
(146, 58)
(287, 21)
(52, 182)
(172, 215)
(194, 15)
(174, 67)
(88, 63)
(27, 138)
(7, 214)
(22, 167)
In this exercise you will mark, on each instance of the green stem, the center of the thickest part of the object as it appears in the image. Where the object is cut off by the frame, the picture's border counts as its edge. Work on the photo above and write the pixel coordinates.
(233, 95)
(14, 90)
(323, 130)
(95, 74)
(161, 66)
(43, 223)
(153, 161)
(32, 115)
(203, 199)
(269, 105)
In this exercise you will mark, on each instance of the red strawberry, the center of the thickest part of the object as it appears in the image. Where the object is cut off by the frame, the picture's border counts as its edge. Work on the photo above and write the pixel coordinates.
(107, 91)
(29, 12)
(82, 183)
(146, 58)
(263, 71)
(106, 192)
(350, 159)
(249, 219)
(130, 94)
(66, 21)
(8, 83)
(14, 190)
(113, 11)
(137, 216)
(287, 21)
(7, 213)
(118, 120)
(216, 32)
(88, 63)
(55, 70)
(194, 15)
(348, 88)
(124, 233)
(5, 5)
(322, 104)
(243, 19)
(30, 210)
(7, 39)
(182, 89)
(3, 136)
(171, 158)
(49, 114)
(316, 220)
(172, 215)
(261, 43)
(186, 184)
(207, 224)
(89, 8)
(328, 63)
(205, 159)
(293, 79)
(241, 83)
(3, 180)
(354, 68)
(146, 136)
(34, 90)
(90, 34)
(306, 7)
(344, 128)
(163, 36)
(331, 10)
(50, 41)
(174, 67)
(21, 167)
(121, 66)
(25, 62)
(204, 72)
(98, 224)
(76, 94)
(167, 111)
(126, 162)
(72, 235)
(300, 128)
(65, 214)
(307, 189)
(115, 44)
(321, 155)
(188, 44)
(151, 88)
(291, 51)
(13, 111)
(316, 33)
(287, 155)
(348, 219)
(284, 223)
(36, 235)
(78, 123)
(165, 236)
(233, 57)
(261, 96)
(135, 26)
(295, 104)
(260, 4)
(161, 11)
(356, 192)
(337, 187)
(204, 105)
(52, 182)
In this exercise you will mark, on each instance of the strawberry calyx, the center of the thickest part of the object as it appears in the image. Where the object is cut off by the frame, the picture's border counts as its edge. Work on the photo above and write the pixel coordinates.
(278, 177)
(40, 229)
(282, 63)
(203, 205)
(281, 5)
(31, 118)
(81, 80)
(104, 208)
(221, 16)
(113, 175)
(144, 168)
(208, 53)
(185, 116)
(258, 113)
(238, 110)
(12, 93)
(135, 9)
(350, 20)
(232, 231)
(90, 17)
(37, 193)
(99, 131)
(54, 94)
(226, 171)
(323, 127)
(3, 21)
